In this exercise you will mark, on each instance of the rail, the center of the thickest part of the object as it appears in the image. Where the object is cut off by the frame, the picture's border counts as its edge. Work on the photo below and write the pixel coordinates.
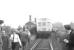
(34, 46)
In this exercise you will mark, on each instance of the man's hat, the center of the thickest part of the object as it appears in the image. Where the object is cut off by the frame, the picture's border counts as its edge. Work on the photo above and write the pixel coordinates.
(68, 27)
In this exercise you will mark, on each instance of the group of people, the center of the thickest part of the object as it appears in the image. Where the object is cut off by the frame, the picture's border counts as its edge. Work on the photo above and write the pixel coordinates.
(15, 40)
(20, 39)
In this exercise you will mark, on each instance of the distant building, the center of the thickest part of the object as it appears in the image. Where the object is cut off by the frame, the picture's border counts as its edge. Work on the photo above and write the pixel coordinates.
(29, 24)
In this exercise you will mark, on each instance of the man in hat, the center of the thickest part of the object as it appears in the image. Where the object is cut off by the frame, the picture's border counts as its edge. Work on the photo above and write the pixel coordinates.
(70, 40)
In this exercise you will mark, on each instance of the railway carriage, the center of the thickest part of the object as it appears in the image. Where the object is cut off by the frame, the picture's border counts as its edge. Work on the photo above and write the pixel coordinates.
(44, 27)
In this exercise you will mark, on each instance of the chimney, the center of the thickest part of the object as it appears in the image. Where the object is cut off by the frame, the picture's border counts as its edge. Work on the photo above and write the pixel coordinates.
(35, 20)
(30, 18)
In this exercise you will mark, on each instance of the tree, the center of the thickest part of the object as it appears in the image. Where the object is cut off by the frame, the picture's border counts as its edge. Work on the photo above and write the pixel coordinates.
(20, 28)
(1, 21)
(7, 29)
(58, 26)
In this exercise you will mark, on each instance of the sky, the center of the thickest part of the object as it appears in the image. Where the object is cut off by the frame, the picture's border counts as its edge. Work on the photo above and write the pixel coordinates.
(16, 12)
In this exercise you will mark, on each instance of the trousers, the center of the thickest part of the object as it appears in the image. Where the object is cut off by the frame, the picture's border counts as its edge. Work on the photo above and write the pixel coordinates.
(15, 46)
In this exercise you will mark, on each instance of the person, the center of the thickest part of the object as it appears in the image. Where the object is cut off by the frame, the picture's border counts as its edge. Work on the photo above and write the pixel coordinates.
(70, 40)
(27, 32)
(16, 42)
(25, 38)
(1, 43)
(5, 41)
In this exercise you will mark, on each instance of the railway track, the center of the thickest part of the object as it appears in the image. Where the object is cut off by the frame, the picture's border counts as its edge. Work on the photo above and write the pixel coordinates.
(42, 44)
(32, 44)
(35, 44)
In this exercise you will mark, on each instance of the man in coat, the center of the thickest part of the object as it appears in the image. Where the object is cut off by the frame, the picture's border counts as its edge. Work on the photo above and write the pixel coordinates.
(1, 43)
(70, 40)
(5, 41)
(25, 38)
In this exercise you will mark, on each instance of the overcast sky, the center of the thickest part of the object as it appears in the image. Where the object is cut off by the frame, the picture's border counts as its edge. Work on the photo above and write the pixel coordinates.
(16, 12)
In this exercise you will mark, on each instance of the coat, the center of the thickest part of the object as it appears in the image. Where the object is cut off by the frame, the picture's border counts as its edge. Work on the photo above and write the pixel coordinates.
(71, 38)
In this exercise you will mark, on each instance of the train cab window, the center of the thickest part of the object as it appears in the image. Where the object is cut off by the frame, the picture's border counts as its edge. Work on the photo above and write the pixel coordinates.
(39, 24)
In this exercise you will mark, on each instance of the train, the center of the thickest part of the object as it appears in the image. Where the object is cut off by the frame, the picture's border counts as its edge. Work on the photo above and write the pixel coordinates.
(44, 24)
(44, 28)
